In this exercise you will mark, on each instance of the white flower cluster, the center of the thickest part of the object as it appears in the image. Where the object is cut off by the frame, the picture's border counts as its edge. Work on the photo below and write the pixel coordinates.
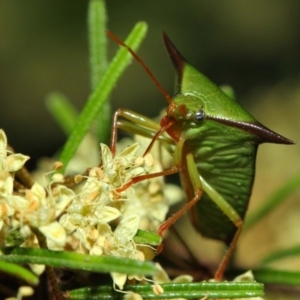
(99, 218)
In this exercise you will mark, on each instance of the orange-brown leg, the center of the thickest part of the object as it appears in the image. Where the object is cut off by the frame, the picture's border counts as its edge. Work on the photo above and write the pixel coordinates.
(196, 183)
(222, 266)
(137, 179)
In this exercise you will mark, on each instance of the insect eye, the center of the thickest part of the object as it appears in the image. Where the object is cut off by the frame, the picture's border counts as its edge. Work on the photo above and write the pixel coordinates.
(199, 116)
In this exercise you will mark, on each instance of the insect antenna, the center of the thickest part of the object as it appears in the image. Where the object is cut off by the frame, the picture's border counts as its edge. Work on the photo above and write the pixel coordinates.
(139, 60)
(168, 123)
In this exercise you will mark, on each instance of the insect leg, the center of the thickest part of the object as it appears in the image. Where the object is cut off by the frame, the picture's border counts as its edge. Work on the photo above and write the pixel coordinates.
(136, 123)
(137, 179)
(197, 186)
(233, 215)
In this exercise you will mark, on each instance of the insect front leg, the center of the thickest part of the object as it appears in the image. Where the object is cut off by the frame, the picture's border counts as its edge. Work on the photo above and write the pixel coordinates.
(134, 123)
(233, 215)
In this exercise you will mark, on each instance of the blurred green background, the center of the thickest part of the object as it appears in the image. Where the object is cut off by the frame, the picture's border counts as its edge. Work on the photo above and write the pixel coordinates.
(251, 45)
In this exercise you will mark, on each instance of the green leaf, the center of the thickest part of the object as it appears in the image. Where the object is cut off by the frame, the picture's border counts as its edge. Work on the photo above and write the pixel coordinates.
(270, 276)
(147, 237)
(281, 254)
(18, 271)
(97, 40)
(77, 261)
(97, 19)
(210, 290)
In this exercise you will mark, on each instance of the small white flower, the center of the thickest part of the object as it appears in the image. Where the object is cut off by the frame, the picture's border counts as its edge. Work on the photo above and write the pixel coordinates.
(6, 184)
(67, 224)
(13, 162)
(35, 209)
(127, 228)
(62, 197)
(55, 235)
(5, 211)
(119, 279)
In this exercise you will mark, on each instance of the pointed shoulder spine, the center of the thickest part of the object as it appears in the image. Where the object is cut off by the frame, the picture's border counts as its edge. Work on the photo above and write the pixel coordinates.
(177, 59)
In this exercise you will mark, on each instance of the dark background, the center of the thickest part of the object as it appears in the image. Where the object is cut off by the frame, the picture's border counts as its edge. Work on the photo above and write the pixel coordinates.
(250, 45)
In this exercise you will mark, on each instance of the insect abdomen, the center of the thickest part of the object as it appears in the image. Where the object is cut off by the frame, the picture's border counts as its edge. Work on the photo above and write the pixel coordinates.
(228, 166)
